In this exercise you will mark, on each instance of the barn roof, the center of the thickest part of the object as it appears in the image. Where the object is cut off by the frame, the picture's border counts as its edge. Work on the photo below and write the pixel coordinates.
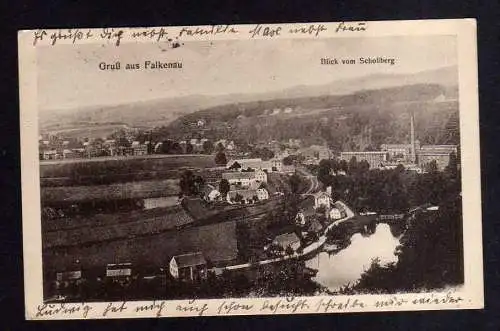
(249, 163)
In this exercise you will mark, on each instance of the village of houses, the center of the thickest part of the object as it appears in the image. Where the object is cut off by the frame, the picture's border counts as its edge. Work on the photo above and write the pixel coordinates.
(248, 181)
(247, 185)
(244, 183)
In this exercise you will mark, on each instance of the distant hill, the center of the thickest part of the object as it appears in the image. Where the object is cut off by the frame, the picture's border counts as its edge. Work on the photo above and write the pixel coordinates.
(446, 77)
(143, 113)
(153, 113)
(357, 121)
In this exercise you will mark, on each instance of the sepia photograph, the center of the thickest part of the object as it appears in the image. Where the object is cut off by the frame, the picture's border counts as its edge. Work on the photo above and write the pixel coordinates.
(216, 166)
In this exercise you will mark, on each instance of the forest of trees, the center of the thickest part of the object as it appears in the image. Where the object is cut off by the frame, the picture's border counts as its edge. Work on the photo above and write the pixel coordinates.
(388, 191)
(431, 249)
(361, 121)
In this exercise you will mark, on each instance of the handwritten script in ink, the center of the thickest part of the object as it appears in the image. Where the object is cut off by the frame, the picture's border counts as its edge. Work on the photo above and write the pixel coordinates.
(280, 305)
(63, 310)
(174, 35)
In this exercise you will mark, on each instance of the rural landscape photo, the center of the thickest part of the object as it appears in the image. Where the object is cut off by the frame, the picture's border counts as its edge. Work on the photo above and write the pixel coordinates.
(250, 169)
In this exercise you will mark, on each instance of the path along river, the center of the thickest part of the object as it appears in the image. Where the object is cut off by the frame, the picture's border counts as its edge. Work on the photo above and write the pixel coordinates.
(347, 266)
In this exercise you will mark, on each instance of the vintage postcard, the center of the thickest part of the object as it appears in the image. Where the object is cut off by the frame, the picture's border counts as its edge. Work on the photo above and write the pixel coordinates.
(250, 169)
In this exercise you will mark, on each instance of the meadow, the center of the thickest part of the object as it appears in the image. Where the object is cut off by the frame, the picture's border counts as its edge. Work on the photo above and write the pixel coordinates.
(117, 191)
(122, 165)
(216, 241)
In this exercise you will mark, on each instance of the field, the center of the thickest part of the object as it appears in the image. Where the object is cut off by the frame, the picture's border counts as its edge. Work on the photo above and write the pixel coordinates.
(143, 237)
(102, 228)
(122, 165)
(119, 191)
(216, 241)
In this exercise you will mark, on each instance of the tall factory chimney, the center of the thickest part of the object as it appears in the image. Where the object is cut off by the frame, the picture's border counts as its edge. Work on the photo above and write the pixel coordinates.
(412, 138)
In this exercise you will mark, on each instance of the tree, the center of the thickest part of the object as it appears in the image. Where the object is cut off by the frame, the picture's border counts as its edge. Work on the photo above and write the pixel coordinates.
(186, 182)
(219, 147)
(176, 148)
(343, 165)
(334, 165)
(452, 167)
(166, 146)
(432, 167)
(263, 153)
(353, 165)
(190, 184)
(321, 210)
(198, 184)
(150, 147)
(220, 158)
(208, 147)
(238, 198)
(224, 187)
(294, 183)
(288, 160)
(363, 166)
(189, 148)
(243, 241)
(324, 171)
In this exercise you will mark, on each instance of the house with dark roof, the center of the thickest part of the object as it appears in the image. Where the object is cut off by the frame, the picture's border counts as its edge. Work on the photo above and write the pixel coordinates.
(287, 241)
(189, 267)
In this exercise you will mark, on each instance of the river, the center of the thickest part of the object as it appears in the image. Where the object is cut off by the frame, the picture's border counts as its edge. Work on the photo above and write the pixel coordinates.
(347, 266)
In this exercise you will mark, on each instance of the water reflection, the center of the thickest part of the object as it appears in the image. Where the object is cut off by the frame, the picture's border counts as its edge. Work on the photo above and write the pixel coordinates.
(347, 266)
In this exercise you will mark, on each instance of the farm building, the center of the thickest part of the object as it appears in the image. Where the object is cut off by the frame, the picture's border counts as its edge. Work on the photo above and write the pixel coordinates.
(217, 242)
(120, 270)
(190, 267)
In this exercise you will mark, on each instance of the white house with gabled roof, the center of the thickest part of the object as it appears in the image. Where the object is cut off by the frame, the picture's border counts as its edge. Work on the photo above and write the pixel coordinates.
(260, 176)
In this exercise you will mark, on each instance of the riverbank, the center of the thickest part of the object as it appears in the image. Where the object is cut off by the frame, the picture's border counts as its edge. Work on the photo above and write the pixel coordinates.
(346, 266)
(305, 253)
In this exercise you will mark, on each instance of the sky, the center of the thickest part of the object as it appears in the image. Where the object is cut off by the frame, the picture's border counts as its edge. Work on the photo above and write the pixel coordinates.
(69, 76)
